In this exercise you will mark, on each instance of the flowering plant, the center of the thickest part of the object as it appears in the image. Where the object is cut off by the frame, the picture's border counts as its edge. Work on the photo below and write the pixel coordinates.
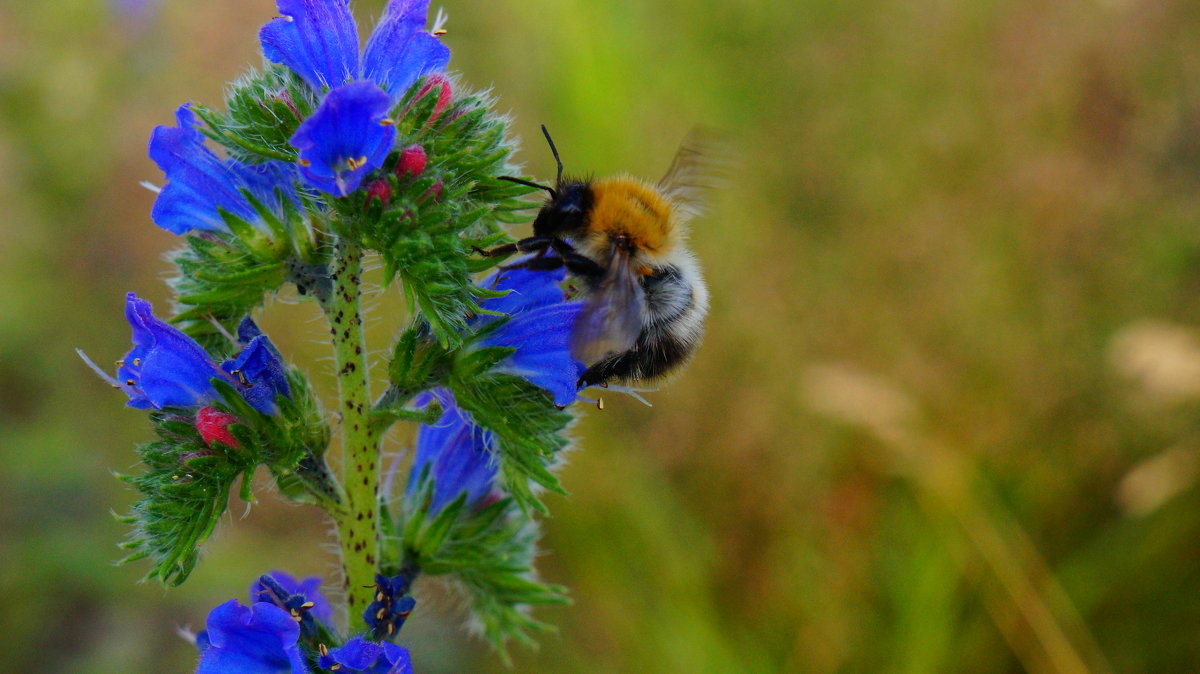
(324, 156)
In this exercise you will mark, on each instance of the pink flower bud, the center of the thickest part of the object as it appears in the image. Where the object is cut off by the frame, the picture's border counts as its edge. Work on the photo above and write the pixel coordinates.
(213, 425)
(412, 162)
(435, 190)
(381, 189)
(444, 93)
(286, 97)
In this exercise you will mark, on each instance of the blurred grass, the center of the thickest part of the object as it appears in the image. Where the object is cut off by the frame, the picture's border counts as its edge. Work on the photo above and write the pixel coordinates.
(946, 418)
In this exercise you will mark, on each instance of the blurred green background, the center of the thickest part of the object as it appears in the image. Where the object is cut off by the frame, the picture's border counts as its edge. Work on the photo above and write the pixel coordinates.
(947, 417)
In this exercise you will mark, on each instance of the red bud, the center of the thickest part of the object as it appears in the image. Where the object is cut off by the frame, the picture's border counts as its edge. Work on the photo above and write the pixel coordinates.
(435, 190)
(381, 189)
(444, 93)
(412, 162)
(213, 425)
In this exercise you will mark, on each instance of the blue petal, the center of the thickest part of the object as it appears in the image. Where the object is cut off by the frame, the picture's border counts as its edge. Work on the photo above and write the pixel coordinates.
(309, 589)
(167, 367)
(315, 38)
(401, 50)
(528, 289)
(269, 182)
(345, 139)
(198, 182)
(260, 639)
(397, 660)
(259, 374)
(247, 330)
(542, 338)
(356, 655)
(391, 606)
(458, 453)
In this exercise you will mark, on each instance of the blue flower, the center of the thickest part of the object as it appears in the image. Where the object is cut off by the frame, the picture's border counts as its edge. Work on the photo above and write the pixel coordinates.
(258, 369)
(319, 41)
(347, 137)
(391, 606)
(538, 327)
(258, 639)
(200, 185)
(360, 655)
(457, 453)
(301, 599)
(166, 368)
(350, 135)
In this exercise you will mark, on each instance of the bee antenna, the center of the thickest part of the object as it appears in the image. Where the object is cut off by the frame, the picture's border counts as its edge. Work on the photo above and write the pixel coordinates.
(546, 133)
(530, 183)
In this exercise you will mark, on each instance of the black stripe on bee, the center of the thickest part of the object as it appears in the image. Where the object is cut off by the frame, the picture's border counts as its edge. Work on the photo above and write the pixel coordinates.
(655, 354)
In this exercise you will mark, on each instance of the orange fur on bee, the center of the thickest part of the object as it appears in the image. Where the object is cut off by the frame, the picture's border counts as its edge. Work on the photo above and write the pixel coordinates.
(628, 206)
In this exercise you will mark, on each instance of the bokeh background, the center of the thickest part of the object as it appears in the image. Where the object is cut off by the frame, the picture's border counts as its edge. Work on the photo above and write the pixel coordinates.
(947, 417)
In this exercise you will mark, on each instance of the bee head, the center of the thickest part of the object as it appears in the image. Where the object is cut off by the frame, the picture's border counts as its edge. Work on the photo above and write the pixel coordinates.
(565, 212)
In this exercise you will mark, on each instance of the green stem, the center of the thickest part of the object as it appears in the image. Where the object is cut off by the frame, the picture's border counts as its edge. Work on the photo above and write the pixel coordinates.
(358, 522)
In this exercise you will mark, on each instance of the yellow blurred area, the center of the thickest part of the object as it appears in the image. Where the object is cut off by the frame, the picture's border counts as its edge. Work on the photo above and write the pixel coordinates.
(947, 415)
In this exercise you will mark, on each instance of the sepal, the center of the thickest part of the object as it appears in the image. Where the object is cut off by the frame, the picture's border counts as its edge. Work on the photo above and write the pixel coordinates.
(184, 492)
(263, 110)
(222, 277)
(528, 428)
(489, 550)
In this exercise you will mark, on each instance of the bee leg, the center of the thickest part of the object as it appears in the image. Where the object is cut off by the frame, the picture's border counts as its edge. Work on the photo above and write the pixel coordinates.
(574, 262)
(533, 244)
(535, 264)
(582, 266)
(562, 247)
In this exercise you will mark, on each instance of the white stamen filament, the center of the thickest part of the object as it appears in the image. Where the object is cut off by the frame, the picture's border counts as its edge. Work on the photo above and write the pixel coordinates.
(96, 368)
(632, 392)
(225, 333)
(439, 20)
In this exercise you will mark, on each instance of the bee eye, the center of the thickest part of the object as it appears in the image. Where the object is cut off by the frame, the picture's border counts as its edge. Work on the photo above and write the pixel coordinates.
(571, 209)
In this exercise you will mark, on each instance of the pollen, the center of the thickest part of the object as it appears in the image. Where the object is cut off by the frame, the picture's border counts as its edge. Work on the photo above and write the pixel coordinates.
(129, 382)
(354, 164)
(137, 362)
(438, 32)
(387, 122)
(304, 162)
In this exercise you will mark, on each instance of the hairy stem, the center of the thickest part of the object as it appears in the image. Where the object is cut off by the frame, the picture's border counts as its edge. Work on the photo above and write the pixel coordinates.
(358, 522)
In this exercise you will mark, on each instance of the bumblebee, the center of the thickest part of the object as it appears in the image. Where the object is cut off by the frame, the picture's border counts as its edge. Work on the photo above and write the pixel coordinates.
(623, 239)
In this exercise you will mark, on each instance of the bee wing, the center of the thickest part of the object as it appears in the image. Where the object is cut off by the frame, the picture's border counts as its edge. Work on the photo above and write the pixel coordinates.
(611, 319)
(702, 164)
